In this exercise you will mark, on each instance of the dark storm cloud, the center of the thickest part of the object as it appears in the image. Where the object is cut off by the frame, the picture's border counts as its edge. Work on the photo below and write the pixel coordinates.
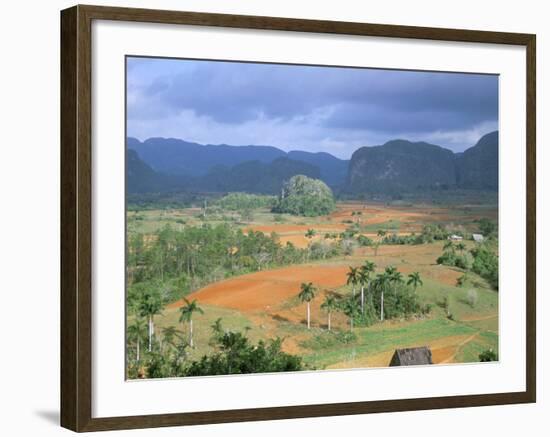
(337, 100)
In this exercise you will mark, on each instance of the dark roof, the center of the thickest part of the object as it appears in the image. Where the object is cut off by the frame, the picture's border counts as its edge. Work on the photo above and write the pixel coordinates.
(415, 356)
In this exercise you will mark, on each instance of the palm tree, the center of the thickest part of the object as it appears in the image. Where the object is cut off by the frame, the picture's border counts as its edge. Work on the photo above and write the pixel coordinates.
(310, 233)
(329, 305)
(353, 277)
(382, 280)
(363, 278)
(186, 315)
(307, 293)
(414, 280)
(150, 304)
(350, 309)
(169, 335)
(375, 247)
(461, 247)
(394, 277)
(366, 270)
(448, 246)
(137, 331)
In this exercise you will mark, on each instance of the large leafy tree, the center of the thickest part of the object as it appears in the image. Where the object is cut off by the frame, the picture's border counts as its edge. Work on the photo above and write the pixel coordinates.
(307, 293)
(187, 312)
(150, 304)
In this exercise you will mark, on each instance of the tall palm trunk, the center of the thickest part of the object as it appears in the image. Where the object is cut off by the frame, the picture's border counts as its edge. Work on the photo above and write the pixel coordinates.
(150, 332)
(308, 315)
(191, 332)
(137, 350)
(329, 314)
(382, 306)
(362, 299)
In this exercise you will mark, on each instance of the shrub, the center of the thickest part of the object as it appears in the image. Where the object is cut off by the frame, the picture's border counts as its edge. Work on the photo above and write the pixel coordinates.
(472, 297)
(364, 241)
(488, 355)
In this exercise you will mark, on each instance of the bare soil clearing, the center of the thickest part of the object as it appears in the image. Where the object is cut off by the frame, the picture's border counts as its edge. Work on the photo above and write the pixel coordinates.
(267, 289)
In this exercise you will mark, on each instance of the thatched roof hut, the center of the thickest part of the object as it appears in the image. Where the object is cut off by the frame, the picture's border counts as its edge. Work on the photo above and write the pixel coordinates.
(415, 356)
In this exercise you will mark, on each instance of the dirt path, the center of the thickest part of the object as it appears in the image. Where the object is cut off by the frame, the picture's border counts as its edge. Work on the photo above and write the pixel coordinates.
(474, 318)
(450, 359)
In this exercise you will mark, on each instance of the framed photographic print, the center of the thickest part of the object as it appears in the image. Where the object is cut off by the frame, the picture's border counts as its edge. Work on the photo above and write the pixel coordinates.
(268, 218)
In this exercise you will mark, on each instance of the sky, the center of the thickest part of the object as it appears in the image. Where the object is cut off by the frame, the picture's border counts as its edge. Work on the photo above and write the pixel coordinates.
(312, 108)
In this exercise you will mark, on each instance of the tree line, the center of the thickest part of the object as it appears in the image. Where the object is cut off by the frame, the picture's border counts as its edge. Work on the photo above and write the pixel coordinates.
(385, 295)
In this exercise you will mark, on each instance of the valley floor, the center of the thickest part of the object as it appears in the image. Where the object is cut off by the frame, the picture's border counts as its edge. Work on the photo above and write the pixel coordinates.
(266, 304)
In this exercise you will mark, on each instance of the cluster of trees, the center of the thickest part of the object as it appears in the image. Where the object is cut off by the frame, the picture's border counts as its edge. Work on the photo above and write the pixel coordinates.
(385, 295)
(245, 201)
(305, 196)
(163, 200)
(429, 234)
(455, 255)
(486, 264)
(482, 260)
(487, 227)
(234, 353)
(178, 261)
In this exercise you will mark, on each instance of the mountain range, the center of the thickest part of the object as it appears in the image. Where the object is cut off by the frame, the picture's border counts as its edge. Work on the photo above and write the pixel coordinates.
(404, 166)
(160, 164)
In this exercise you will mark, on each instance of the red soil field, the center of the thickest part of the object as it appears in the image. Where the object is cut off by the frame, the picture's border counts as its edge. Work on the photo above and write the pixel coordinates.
(264, 290)
(284, 229)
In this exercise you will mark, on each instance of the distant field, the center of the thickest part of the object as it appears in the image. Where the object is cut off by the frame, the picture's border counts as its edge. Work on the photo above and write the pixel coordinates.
(265, 302)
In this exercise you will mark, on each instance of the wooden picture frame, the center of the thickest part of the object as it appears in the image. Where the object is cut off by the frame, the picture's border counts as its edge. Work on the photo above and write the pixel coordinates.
(76, 217)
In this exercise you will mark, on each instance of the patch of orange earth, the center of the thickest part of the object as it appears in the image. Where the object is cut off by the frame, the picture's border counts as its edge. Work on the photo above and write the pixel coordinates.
(443, 354)
(445, 275)
(287, 228)
(263, 290)
(297, 313)
(299, 241)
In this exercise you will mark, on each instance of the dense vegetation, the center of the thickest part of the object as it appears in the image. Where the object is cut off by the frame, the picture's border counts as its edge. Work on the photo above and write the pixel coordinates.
(381, 296)
(176, 262)
(235, 354)
(305, 196)
(482, 260)
(243, 201)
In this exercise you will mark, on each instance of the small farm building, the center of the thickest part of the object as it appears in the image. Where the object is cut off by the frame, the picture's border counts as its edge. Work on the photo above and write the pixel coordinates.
(478, 238)
(415, 356)
(455, 238)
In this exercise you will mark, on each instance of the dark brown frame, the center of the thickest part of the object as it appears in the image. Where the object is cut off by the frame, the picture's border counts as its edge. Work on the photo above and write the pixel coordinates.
(76, 221)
